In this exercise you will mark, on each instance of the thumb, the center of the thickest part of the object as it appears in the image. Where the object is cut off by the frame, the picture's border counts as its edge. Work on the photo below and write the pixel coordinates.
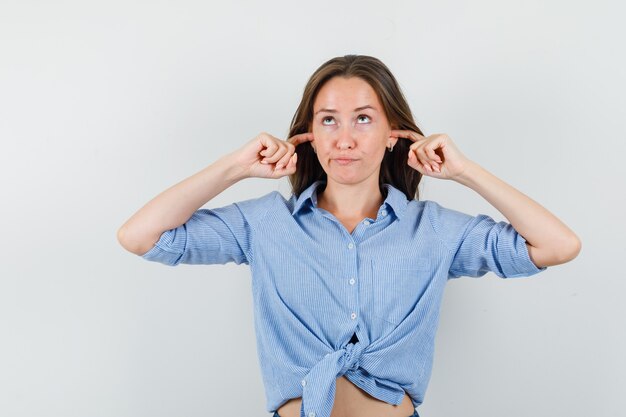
(288, 169)
(414, 163)
(291, 165)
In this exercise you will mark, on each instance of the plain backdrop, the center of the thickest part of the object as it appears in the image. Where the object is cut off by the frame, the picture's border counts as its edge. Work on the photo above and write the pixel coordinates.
(104, 104)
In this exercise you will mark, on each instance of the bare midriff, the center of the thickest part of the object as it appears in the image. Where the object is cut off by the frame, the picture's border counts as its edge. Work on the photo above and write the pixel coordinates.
(352, 401)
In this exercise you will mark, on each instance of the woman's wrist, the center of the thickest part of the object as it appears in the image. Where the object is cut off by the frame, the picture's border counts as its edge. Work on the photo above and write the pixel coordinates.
(469, 175)
(233, 171)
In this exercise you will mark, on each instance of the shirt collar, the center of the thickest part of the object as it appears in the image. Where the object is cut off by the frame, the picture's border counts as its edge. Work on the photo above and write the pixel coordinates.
(395, 198)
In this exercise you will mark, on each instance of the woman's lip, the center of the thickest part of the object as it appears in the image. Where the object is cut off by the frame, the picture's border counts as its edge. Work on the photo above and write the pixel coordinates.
(344, 161)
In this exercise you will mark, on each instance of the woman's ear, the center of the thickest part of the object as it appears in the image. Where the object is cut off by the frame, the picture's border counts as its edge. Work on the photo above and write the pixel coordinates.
(392, 142)
(393, 126)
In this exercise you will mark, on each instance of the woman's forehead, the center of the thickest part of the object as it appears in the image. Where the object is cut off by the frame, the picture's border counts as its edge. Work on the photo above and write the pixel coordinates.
(346, 95)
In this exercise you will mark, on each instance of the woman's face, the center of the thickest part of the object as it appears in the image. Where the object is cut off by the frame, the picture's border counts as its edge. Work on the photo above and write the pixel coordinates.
(350, 130)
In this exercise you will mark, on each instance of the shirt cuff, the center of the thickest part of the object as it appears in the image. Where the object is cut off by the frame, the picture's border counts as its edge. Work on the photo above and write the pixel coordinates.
(520, 265)
(169, 248)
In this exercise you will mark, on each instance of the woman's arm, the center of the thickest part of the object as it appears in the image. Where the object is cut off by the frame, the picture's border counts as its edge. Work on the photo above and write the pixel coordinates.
(177, 204)
(550, 242)
(265, 156)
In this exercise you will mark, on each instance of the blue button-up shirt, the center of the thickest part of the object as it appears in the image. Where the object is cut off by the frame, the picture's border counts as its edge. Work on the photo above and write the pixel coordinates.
(315, 284)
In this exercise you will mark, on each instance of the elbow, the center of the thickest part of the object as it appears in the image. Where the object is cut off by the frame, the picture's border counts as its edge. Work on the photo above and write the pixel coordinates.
(568, 249)
(124, 237)
(557, 253)
(574, 247)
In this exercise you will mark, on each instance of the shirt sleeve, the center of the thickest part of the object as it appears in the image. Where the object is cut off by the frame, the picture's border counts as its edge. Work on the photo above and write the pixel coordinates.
(482, 245)
(210, 236)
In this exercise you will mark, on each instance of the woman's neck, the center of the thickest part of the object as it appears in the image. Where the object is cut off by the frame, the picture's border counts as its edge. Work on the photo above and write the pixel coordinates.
(351, 201)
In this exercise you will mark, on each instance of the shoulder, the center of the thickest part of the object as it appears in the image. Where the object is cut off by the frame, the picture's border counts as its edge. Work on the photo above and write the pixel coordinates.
(254, 209)
(448, 224)
(444, 216)
(436, 213)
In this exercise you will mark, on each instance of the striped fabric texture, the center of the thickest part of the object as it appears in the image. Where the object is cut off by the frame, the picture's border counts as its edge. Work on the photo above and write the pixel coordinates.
(315, 285)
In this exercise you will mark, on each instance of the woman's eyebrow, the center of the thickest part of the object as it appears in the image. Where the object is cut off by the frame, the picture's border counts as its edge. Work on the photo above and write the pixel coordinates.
(335, 111)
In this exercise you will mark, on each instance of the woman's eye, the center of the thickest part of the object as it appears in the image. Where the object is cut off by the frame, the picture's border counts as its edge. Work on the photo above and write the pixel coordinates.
(330, 118)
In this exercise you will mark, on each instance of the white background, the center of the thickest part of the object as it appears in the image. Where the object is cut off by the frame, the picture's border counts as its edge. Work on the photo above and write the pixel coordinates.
(105, 104)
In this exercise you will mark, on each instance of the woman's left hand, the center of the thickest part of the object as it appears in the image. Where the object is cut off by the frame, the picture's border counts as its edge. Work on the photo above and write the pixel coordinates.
(436, 155)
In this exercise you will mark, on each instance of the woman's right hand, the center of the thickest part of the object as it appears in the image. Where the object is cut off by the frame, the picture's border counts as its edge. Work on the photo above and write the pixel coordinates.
(268, 157)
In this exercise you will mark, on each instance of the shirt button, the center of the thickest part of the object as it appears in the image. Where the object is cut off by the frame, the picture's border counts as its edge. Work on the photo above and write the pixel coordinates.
(353, 316)
(303, 383)
(311, 414)
(351, 281)
(350, 245)
(366, 222)
(384, 212)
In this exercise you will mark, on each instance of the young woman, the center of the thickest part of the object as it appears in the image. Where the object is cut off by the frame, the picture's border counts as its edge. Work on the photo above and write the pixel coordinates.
(348, 272)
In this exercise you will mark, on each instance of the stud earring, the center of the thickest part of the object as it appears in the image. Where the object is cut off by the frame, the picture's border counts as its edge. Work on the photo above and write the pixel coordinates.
(390, 148)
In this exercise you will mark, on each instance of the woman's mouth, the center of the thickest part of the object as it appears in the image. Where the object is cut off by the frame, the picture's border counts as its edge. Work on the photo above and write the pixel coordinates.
(344, 161)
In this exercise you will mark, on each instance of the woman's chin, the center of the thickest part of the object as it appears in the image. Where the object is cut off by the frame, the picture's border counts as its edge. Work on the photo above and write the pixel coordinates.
(346, 178)
(347, 174)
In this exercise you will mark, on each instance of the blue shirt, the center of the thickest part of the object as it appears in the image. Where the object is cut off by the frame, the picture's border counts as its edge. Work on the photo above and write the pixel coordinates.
(315, 284)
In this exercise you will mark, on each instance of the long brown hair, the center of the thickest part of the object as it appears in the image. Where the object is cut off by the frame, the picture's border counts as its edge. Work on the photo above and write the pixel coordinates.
(394, 169)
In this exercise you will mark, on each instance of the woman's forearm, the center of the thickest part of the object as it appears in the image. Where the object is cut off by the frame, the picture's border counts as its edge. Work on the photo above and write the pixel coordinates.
(551, 241)
(175, 205)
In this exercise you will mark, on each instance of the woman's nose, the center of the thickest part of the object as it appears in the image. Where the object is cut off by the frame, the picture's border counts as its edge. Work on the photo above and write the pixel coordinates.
(346, 137)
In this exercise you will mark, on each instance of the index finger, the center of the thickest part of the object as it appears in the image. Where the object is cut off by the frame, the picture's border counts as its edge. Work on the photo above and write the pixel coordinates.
(300, 138)
(408, 134)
